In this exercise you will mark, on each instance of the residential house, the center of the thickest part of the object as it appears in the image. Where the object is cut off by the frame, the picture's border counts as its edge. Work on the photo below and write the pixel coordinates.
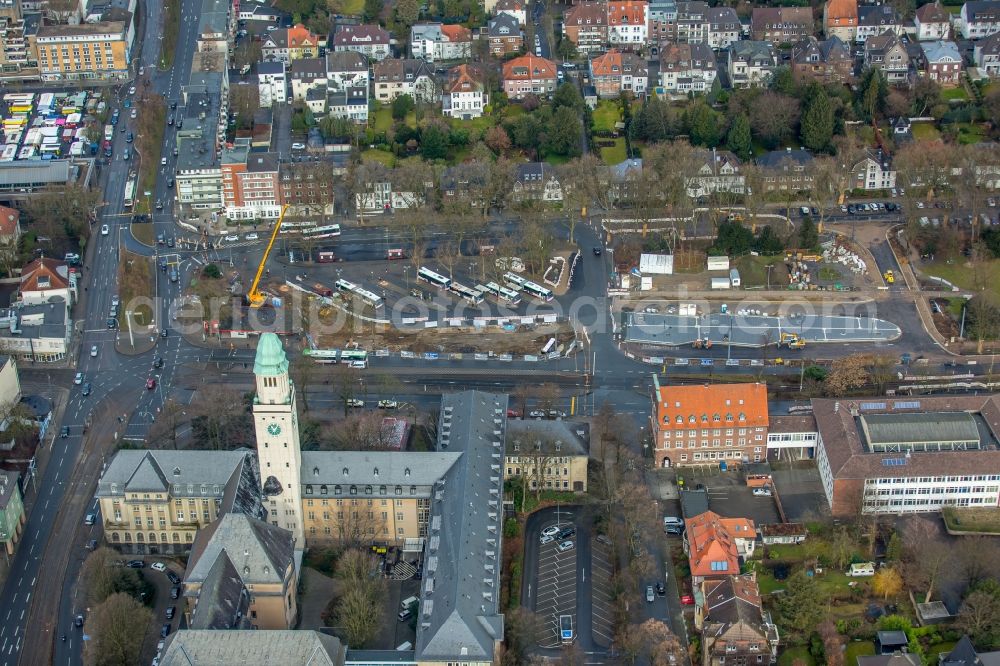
(537, 181)
(703, 425)
(751, 64)
(718, 171)
(348, 103)
(782, 533)
(874, 172)
(155, 502)
(781, 25)
(616, 72)
(272, 84)
(10, 229)
(734, 626)
(548, 454)
(692, 23)
(628, 24)
(436, 41)
(893, 456)
(515, 8)
(306, 74)
(463, 184)
(932, 22)
(714, 545)
(464, 92)
(888, 53)
(12, 516)
(43, 280)
(625, 182)
(505, 35)
(347, 70)
(687, 68)
(289, 44)
(371, 41)
(979, 18)
(942, 62)
(39, 333)
(986, 55)
(394, 77)
(586, 25)
(241, 570)
(662, 21)
(724, 27)
(827, 61)
(529, 75)
(101, 50)
(247, 646)
(840, 19)
(874, 20)
(785, 170)
(964, 654)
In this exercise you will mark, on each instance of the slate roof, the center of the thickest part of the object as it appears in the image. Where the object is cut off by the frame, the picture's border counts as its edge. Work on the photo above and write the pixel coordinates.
(776, 159)
(933, 12)
(941, 51)
(223, 600)
(890, 660)
(572, 436)
(504, 25)
(260, 553)
(458, 614)
(346, 61)
(252, 648)
(964, 654)
(877, 15)
(686, 57)
(401, 70)
(755, 52)
(832, 48)
(731, 600)
(363, 35)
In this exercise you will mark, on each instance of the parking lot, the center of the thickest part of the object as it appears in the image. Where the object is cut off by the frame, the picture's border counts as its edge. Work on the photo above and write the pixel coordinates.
(729, 496)
(801, 492)
(600, 592)
(556, 595)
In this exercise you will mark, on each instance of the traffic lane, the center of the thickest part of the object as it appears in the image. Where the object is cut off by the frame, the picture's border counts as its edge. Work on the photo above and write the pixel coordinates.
(885, 260)
(67, 652)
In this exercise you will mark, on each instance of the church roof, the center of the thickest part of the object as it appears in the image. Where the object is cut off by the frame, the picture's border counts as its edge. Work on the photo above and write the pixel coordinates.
(270, 360)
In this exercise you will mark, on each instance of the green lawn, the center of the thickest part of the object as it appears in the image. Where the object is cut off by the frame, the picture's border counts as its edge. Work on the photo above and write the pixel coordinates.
(382, 156)
(972, 519)
(789, 657)
(351, 7)
(143, 233)
(615, 154)
(753, 273)
(381, 120)
(606, 115)
(482, 123)
(925, 132)
(970, 133)
(954, 94)
(960, 275)
(938, 648)
(857, 649)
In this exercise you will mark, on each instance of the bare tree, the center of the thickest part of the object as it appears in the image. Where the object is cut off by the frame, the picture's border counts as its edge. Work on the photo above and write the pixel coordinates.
(926, 555)
(979, 615)
(165, 430)
(360, 608)
(358, 521)
(117, 627)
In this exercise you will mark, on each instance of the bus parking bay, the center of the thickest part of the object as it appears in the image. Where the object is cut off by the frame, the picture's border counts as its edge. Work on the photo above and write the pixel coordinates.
(556, 594)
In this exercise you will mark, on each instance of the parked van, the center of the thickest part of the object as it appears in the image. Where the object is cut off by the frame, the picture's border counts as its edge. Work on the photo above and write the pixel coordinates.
(407, 602)
(405, 647)
(862, 569)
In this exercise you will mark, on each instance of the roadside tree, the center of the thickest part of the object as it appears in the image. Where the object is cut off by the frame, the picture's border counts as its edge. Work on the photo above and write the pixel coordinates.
(117, 627)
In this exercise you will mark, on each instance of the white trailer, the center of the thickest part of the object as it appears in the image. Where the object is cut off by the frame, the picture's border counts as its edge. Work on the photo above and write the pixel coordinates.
(734, 277)
(718, 263)
(720, 283)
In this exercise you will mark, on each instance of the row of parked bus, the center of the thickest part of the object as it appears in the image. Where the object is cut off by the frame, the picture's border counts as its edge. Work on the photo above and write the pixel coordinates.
(507, 294)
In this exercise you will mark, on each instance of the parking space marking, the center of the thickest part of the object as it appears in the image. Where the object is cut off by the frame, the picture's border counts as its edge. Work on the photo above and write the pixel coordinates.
(600, 591)
(556, 591)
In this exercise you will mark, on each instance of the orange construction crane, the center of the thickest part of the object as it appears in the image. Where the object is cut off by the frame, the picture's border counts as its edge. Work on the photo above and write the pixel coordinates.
(255, 297)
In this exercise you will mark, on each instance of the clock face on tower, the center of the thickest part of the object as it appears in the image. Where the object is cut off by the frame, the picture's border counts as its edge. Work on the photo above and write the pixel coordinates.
(273, 429)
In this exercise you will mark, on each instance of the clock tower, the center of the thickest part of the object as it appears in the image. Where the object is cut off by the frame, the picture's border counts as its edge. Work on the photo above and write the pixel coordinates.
(277, 429)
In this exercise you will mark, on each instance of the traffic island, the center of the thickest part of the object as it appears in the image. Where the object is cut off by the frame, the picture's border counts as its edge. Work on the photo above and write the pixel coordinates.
(136, 319)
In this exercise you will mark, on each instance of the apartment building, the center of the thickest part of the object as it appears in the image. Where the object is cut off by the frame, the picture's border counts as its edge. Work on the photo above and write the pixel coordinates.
(586, 25)
(874, 172)
(371, 41)
(986, 55)
(305, 75)
(16, 34)
(724, 27)
(515, 8)
(786, 170)
(781, 25)
(250, 189)
(692, 22)
(687, 68)
(875, 20)
(288, 44)
(932, 22)
(840, 19)
(628, 24)
(888, 53)
(272, 83)
(101, 50)
(529, 75)
(394, 77)
(615, 72)
(464, 92)
(505, 35)
(710, 424)
(979, 18)
(12, 516)
(154, 502)
(717, 171)
(307, 188)
(905, 456)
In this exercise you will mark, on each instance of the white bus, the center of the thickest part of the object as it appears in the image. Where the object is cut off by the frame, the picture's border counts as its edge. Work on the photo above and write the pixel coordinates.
(368, 297)
(130, 186)
(514, 279)
(470, 295)
(436, 279)
(328, 231)
(537, 290)
(549, 345)
(322, 355)
(295, 227)
(504, 294)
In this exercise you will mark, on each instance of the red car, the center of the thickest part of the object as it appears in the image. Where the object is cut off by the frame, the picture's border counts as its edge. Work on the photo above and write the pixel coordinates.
(513, 414)
(150, 383)
(687, 600)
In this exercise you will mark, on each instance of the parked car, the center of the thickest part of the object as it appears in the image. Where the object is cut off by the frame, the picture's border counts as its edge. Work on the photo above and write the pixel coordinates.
(251, 237)
(387, 404)
(135, 564)
(171, 611)
(232, 238)
(298, 146)
(565, 546)
(175, 592)
(172, 577)
(165, 630)
(158, 566)
(547, 539)
(78, 379)
(567, 531)
(650, 596)
(536, 414)
(687, 600)
(551, 530)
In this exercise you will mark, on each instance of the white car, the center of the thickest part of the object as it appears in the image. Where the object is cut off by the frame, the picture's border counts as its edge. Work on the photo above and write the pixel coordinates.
(547, 538)
(355, 402)
(115, 301)
(158, 566)
(232, 238)
(251, 237)
(650, 596)
(387, 404)
(551, 530)
(298, 146)
(131, 91)
(93, 350)
(105, 230)
(163, 161)
(134, 114)
(78, 379)
(565, 545)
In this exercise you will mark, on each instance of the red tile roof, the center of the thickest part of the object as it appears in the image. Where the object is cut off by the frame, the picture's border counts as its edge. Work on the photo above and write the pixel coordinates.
(712, 540)
(713, 404)
(456, 33)
(527, 68)
(8, 220)
(41, 268)
(464, 78)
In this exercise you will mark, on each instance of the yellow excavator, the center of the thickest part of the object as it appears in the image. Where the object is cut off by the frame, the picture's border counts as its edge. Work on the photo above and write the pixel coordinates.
(791, 340)
(889, 277)
(255, 297)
